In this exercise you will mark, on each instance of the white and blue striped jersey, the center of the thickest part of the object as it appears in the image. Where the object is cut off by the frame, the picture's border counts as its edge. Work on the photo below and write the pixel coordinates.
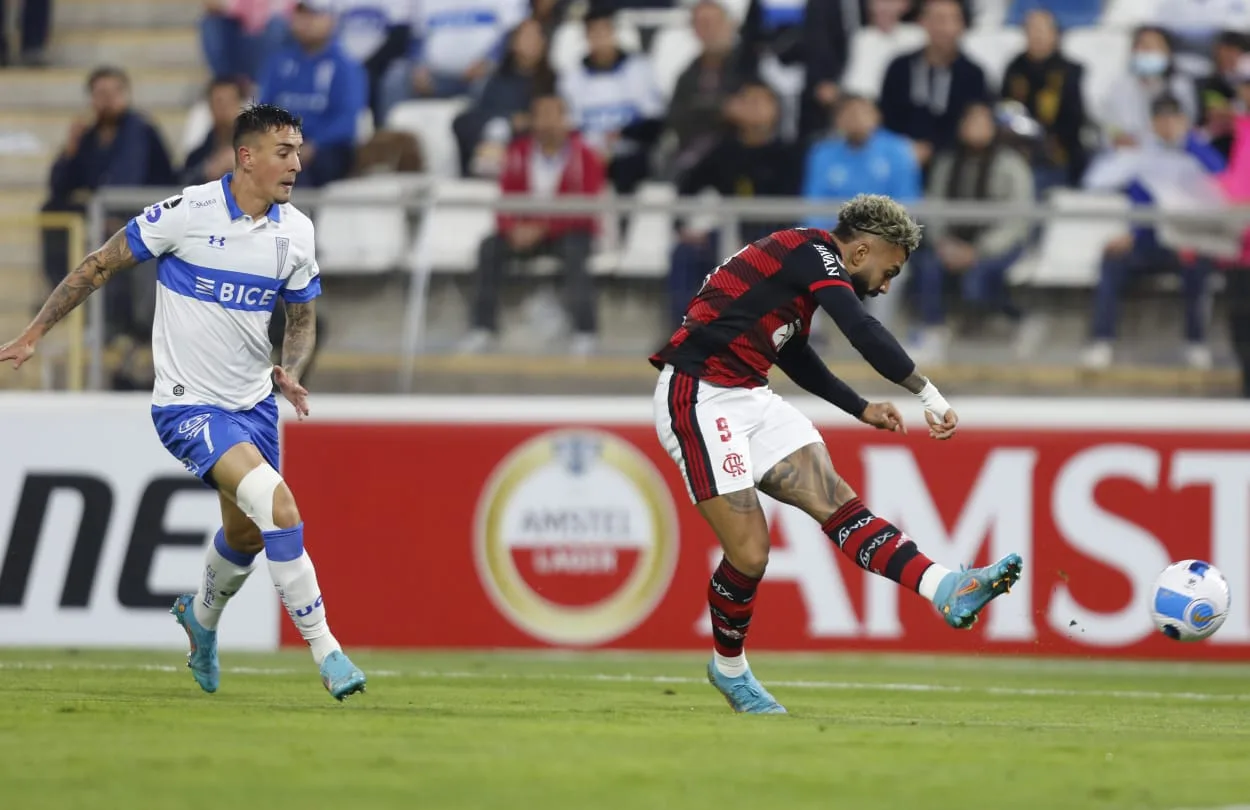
(219, 275)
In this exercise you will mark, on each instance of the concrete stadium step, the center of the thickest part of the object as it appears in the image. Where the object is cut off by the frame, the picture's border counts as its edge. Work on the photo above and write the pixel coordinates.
(62, 88)
(21, 200)
(23, 289)
(49, 127)
(25, 169)
(73, 14)
(20, 242)
(135, 49)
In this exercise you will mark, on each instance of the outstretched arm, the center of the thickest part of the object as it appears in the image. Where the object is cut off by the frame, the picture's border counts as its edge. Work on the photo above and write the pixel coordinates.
(99, 266)
(801, 363)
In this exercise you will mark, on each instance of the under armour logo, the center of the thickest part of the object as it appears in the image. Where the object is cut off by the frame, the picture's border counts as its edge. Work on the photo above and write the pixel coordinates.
(217, 241)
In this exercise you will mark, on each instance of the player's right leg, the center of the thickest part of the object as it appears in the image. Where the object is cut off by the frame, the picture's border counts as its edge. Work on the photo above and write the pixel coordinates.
(724, 492)
(256, 487)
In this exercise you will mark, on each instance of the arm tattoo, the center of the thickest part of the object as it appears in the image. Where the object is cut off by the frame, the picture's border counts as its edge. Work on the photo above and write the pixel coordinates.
(86, 278)
(915, 382)
(300, 337)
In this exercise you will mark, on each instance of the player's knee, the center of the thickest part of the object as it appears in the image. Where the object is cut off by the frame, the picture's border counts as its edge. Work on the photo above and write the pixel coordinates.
(752, 561)
(265, 498)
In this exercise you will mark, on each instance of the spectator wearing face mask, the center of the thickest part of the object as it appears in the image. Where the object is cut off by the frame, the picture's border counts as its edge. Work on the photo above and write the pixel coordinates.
(1175, 156)
(1125, 113)
(1217, 93)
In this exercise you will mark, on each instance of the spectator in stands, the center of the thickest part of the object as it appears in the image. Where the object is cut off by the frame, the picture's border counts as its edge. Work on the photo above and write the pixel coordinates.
(873, 44)
(550, 162)
(1066, 13)
(456, 45)
(860, 158)
(1217, 93)
(979, 168)
(925, 93)
(215, 155)
(751, 162)
(1194, 25)
(827, 30)
(376, 34)
(695, 119)
(36, 18)
(116, 146)
(239, 35)
(773, 38)
(1049, 87)
(614, 102)
(1175, 156)
(916, 11)
(316, 80)
(1125, 113)
(501, 112)
(549, 13)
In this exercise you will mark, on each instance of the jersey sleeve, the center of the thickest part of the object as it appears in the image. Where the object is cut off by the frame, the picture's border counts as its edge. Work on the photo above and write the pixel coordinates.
(822, 273)
(305, 283)
(158, 229)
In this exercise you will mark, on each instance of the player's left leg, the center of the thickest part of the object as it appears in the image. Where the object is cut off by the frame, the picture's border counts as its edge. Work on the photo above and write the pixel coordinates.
(805, 478)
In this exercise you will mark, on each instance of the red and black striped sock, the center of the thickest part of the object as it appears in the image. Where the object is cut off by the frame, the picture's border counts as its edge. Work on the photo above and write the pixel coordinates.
(876, 545)
(731, 598)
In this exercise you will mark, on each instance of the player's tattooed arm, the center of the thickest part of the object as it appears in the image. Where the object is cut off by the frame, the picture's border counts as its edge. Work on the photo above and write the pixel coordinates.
(300, 337)
(915, 382)
(89, 276)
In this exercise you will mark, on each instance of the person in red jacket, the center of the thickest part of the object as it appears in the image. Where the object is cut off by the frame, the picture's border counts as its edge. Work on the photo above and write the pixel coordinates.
(552, 161)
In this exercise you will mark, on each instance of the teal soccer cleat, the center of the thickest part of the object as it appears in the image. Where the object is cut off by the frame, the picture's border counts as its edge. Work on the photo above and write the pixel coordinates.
(202, 660)
(962, 595)
(744, 694)
(340, 676)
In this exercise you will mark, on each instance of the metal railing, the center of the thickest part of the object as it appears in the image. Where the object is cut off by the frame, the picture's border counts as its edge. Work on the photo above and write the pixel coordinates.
(729, 213)
(73, 329)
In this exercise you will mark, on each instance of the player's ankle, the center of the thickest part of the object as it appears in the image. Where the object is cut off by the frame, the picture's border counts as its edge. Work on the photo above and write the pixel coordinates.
(731, 666)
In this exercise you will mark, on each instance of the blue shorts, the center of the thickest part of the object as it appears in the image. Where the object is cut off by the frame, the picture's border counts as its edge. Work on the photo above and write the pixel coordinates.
(198, 435)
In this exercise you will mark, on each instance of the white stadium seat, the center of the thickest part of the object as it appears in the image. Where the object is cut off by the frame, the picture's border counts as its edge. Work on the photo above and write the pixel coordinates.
(672, 51)
(1127, 14)
(568, 43)
(430, 121)
(1104, 53)
(871, 54)
(450, 236)
(1071, 248)
(358, 232)
(993, 50)
(990, 14)
(649, 238)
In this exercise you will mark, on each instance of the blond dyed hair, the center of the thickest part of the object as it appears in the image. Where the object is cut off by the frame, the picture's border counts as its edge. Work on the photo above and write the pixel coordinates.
(882, 217)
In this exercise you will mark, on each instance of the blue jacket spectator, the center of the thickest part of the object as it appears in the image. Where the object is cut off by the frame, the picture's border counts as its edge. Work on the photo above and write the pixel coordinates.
(925, 93)
(862, 158)
(316, 80)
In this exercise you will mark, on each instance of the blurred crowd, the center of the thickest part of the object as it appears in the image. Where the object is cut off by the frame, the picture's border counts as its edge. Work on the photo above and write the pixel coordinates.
(792, 99)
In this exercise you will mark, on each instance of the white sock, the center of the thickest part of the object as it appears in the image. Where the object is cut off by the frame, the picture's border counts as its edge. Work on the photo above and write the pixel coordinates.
(296, 581)
(225, 571)
(931, 579)
(730, 666)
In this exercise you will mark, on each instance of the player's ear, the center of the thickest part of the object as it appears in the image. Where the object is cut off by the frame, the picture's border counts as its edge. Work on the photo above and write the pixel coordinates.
(860, 254)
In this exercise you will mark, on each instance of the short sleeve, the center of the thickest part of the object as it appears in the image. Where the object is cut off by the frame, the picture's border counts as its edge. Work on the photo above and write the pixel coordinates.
(817, 266)
(304, 284)
(158, 229)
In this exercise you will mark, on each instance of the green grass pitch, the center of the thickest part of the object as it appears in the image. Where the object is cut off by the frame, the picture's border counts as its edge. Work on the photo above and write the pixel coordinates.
(131, 731)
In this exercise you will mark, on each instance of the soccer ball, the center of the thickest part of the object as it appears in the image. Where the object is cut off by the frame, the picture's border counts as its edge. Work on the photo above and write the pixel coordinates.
(1190, 600)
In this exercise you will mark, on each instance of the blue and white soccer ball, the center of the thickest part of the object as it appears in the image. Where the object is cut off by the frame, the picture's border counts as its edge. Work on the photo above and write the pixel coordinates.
(1190, 600)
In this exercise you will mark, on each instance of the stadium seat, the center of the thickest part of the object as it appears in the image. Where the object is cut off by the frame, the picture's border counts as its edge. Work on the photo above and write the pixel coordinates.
(649, 238)
(1068, 13)
(871, 54)
(358, 232)
(1104, 53)
(430, 121)
(449, 237)
(989, 14)
(1127, 14)
(993, 50)
(672, 51)
(1071, 248)
(198, 124)
(568, 43)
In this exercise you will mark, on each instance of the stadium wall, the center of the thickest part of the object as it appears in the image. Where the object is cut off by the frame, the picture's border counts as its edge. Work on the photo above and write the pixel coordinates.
(526, 522)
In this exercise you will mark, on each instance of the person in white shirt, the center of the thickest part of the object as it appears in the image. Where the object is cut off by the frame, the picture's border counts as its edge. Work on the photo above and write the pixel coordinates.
(226, 252)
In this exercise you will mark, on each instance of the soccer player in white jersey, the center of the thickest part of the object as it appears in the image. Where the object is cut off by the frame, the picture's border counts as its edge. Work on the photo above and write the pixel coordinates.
(226, 252)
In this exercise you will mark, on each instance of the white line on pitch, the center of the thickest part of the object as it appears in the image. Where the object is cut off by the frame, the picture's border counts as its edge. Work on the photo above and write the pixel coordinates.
(1005, 691)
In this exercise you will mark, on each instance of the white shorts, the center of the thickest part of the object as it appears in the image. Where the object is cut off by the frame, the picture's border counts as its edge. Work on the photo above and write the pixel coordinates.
(725, 439)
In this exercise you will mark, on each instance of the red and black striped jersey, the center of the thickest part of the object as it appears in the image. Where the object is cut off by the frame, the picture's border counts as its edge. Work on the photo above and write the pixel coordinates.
(754, 303)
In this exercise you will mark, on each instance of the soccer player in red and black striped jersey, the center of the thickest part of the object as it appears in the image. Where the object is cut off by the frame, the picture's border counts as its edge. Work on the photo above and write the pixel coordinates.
(731, 435)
